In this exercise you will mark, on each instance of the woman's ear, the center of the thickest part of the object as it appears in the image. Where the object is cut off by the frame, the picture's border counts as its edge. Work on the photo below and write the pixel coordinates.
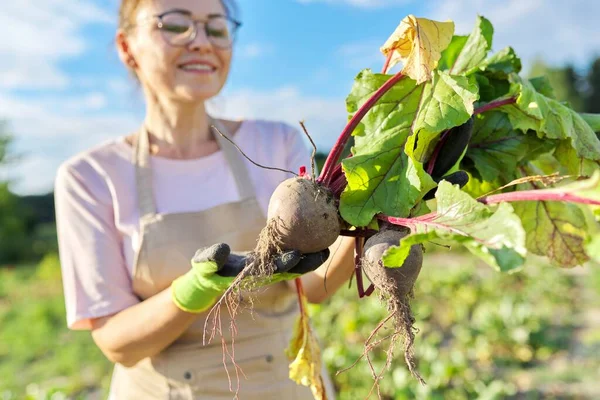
(124, 50)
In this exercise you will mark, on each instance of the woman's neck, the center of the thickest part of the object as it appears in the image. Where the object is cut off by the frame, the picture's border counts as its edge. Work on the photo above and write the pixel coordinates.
(179, 130)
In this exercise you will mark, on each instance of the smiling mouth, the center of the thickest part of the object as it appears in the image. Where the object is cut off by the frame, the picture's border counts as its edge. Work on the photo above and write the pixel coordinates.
(198, 68)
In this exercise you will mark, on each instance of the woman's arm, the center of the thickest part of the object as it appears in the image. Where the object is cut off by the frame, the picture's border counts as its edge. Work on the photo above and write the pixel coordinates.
(320, 284)
(142, 330)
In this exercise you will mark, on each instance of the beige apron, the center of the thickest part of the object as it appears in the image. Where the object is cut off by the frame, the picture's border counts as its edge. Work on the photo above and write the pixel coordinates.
(187, 369)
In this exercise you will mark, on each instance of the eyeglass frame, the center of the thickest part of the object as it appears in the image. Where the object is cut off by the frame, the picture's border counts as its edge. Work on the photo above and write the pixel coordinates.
(236, 25)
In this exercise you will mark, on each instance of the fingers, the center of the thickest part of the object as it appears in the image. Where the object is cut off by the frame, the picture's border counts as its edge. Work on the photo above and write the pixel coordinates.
(456, 178)
(310, 262)
(459, 178)
(287, 260)
(219, 253)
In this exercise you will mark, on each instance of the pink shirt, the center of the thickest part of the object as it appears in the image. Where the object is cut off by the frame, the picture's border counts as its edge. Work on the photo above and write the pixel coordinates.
(98, 218)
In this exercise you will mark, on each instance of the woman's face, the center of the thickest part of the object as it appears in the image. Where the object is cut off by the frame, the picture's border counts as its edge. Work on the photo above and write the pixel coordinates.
(169, 60)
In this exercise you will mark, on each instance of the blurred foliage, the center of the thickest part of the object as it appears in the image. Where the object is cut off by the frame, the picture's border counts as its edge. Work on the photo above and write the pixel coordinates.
(565, 81)
(478, 331)
(592, 94)
(482, 335)
(39, 357)
(27, 228)
(579, 88)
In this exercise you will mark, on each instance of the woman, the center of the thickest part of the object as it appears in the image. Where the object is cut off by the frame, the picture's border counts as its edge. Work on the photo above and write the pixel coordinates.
(131, 213)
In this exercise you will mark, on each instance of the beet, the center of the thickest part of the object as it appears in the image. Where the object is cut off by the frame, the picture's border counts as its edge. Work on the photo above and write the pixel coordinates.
(395, 286)
(305, 216)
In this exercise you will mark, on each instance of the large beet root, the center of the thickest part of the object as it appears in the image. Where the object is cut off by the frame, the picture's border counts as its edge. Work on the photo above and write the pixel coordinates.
(305, 216)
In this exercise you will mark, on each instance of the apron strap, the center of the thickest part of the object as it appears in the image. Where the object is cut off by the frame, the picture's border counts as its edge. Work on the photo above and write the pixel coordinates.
(143, 175)
(143, 172)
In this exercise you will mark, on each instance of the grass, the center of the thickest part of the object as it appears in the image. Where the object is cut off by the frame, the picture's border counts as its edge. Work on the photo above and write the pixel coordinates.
(482, 335)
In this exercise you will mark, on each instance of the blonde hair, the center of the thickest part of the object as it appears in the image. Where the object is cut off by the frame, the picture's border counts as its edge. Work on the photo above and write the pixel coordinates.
(128, 9)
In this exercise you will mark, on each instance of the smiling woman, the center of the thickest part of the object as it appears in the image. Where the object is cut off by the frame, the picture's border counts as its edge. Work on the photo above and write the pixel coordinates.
(132, 213)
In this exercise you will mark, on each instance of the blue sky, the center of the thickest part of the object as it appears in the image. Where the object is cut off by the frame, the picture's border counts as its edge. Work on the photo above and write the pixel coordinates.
(63, 90)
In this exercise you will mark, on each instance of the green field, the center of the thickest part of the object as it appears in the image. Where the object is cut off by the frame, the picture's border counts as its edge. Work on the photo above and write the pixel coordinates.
(483, 335)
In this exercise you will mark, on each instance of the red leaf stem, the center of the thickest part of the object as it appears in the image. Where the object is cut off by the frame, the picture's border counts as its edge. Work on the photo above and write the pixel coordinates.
(338, 185)
(436, 152)
(523, 195)
(536, 195)
(494, 104)
(300, 291)
(387, 62)
(338, 147)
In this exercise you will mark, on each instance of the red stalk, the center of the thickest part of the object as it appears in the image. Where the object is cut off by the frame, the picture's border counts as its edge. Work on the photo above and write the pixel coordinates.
(523, 195)
(536, 195)
(300, 291)
(338, 185)
(387, 62)
(494, 104)
(436, 152)
(338, 147)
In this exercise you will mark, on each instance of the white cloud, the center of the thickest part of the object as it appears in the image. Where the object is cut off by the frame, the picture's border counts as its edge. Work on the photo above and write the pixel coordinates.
(359, 3)
(324, 117)
(52, 129)
(35, 35)
(558, 30)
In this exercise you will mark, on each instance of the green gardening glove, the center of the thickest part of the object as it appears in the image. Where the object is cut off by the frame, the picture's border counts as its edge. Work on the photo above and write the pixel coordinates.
(214, 269)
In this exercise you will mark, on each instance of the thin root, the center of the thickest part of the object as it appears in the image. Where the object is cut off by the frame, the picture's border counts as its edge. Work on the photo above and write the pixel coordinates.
(403, 321)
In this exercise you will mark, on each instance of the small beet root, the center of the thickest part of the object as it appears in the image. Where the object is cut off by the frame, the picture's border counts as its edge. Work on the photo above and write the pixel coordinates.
(395, 287)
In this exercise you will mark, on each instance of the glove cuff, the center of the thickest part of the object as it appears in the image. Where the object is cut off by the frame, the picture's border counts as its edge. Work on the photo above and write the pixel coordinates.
(191, 296)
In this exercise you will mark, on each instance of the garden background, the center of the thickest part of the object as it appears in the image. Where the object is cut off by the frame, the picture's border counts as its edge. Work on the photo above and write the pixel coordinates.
(482, 335)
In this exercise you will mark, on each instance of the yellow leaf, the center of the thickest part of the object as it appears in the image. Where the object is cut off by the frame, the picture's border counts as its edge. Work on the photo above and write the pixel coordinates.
(418, 43)
(305, 355)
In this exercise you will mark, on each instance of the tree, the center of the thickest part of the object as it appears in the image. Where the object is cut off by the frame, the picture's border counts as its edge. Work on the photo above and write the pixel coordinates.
(13, 235)
(592, 100)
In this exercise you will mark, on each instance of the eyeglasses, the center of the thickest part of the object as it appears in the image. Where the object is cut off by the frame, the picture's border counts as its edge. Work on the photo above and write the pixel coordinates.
(178, 28)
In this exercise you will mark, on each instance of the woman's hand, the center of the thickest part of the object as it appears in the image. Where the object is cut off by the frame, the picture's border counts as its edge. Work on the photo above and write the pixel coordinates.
(214, 268)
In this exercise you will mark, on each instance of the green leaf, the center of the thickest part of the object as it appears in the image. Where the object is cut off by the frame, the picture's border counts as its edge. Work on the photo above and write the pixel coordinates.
(477, 187)
(475, 48)
(566, 155)
(448, 102)
(593, 120)
(382, 177)
(550, 119)
(382, 182)
(500, 65)
(556, 230)
(450, 54)
(494, 235)
(542, 85)
(496, 149)
(491, 88)
(560, 229)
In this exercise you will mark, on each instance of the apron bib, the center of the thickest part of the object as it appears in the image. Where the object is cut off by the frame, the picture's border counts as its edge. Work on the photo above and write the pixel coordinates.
(187, 369)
